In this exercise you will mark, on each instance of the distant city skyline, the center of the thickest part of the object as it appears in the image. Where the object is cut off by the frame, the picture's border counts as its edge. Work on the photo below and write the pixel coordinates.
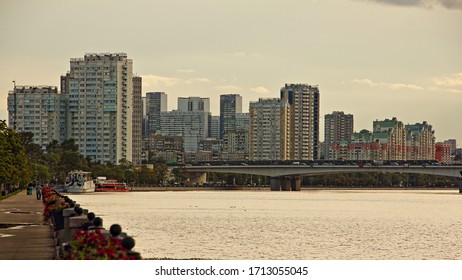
(372, 59)
(97, 95)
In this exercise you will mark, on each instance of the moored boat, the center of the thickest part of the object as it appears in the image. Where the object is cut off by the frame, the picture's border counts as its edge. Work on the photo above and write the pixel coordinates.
(108, 185)
(79, 182)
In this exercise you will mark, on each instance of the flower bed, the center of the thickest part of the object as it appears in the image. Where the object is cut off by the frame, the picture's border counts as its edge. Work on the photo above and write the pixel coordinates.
(93, 245)
(53, 201)
(89, 244)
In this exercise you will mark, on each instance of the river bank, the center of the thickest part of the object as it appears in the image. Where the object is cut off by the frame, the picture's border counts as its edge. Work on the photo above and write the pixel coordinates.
(267, 188)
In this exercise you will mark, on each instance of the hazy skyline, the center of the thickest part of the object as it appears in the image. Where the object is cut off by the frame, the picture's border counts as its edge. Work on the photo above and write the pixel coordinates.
(373, 59)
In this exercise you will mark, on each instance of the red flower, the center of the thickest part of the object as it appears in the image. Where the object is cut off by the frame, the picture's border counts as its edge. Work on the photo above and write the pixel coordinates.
(93, 245)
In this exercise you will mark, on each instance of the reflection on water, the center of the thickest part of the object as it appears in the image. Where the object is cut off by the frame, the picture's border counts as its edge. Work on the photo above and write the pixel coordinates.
(287, 225)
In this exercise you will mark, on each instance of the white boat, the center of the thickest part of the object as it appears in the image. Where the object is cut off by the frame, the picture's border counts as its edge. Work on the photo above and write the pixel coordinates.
(79, 182)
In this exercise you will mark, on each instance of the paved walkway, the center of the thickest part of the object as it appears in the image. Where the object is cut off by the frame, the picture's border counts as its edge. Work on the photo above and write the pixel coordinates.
(23, 235)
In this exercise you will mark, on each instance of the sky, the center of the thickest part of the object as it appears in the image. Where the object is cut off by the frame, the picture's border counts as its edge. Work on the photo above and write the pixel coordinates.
(374, 59)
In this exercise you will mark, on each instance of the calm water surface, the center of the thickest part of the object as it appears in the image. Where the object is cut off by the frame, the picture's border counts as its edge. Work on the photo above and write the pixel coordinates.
(264, 225)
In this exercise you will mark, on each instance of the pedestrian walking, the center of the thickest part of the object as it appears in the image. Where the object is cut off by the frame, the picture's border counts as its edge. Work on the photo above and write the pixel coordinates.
(30, 187)
(38, 191)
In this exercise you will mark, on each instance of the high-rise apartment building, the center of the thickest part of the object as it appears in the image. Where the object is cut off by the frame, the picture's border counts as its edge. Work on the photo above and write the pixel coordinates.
(157, 142)
(99, 88)
(338, 127)
(194, 104)
(304, 120)
(210, 145)
(137, 120)
(192, 125)
(269, 132)
(230, 105)
(242, 121)
(443, 153)
(145, 117)
(156, 102)
(391, 134)
(453, 145)
(390, 140)
(215, 127)
(36, 109)
(192, 121)
(363, 147)
(420, 141)
(236, 142)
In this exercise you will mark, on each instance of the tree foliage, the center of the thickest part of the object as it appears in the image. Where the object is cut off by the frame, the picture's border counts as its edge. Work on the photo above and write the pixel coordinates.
(379, 179)
(13, 160)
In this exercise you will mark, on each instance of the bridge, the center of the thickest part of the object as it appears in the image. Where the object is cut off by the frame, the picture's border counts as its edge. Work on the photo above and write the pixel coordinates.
(288, 177)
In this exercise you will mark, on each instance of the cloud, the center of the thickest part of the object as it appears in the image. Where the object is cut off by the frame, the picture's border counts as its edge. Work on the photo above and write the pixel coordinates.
(452, 4)
(196, 80)
(186, 70)
(228, 88)
(201, 80)
(364, 82)
(260, 89)
(394, 86)
(448, 4)
(450, 90)
(455, 80)
(403, 86)
(159, 81)
(242, 55)
(154, 81)
(453, 91)
(451, 83)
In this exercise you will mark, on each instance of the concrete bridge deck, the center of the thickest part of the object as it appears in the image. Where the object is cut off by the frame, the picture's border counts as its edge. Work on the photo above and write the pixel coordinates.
(288, 177)
(306, 170)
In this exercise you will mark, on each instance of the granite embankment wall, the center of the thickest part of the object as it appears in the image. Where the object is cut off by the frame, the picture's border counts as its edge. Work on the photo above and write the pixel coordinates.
(267, 188)
(79, 233)
(177, 188)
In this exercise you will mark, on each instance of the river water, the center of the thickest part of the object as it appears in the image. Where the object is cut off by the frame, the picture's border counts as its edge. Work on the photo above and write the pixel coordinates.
(305, 225)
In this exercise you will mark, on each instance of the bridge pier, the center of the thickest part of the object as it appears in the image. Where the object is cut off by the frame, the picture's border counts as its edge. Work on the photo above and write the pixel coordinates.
(275, 184)
(285, 183)
(296, 183)
(198, 178)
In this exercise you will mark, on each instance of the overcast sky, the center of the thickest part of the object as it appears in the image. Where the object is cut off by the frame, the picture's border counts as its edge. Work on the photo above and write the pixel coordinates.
(373, 59)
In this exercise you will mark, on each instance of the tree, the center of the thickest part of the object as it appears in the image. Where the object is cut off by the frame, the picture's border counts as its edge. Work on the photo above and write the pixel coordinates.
(32, 150)
(69, 145)
(161, 172)
(13, 160)
(40, 172)
(179, 174)
(53, 147)
(125, 164)
(70, 159)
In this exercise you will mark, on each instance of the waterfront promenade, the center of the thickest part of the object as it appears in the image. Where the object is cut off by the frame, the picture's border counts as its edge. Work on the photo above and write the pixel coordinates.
(23, 234)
